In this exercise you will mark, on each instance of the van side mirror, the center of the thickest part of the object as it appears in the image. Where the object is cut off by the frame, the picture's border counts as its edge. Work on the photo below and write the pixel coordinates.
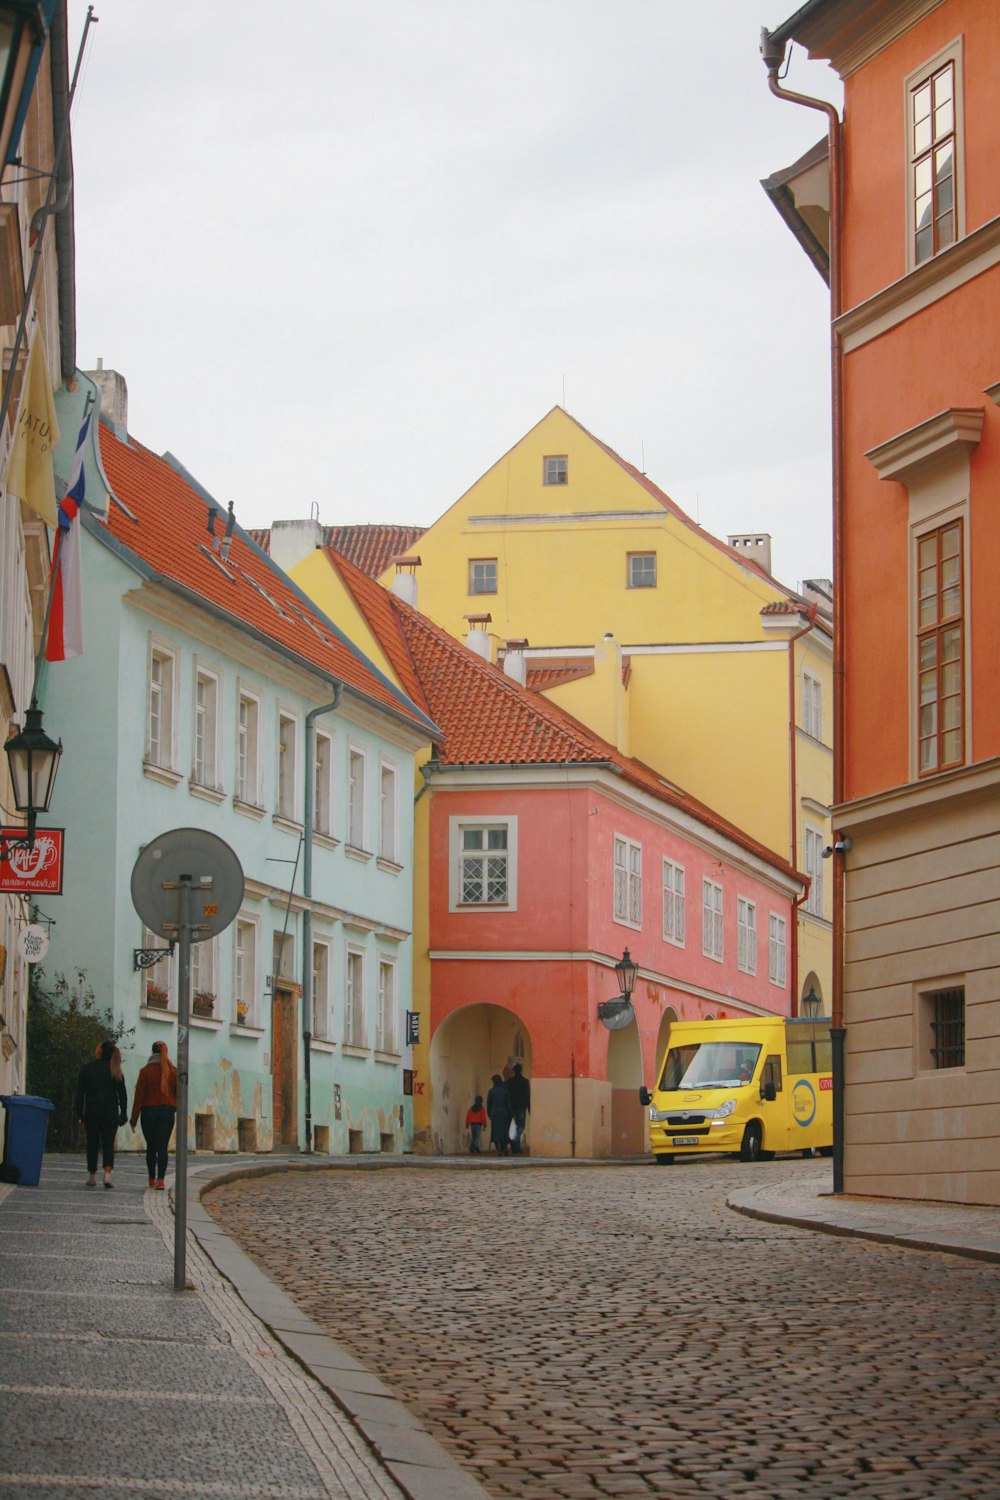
(645, 1097)
(768, 1092)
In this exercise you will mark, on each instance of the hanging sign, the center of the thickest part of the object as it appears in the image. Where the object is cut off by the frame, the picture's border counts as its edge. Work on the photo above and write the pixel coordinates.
(39, 868)
(33, 943)
(412, 1027)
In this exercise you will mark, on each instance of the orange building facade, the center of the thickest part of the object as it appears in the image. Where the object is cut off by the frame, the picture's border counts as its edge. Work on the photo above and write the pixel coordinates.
(916, 302)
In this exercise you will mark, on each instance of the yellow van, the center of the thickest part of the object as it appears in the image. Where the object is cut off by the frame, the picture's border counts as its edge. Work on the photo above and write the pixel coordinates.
(749, 1087)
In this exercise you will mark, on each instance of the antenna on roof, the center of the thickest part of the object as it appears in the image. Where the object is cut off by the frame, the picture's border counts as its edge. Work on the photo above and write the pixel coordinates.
(642, 450)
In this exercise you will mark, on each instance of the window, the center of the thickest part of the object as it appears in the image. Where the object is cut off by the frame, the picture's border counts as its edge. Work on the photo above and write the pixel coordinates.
(323, 789)
(248, 751)
(555, 470)
(385, 1030)
(642, 570)
(813, 841)
(933, 198)
(483, 575)
(947, 1024)
(203, 983)
(354, 1000)
(628, 882)
(356, 799)
(673, 903)
(206, 730)
(162, 687)
(286, 766)
(245, 973)
(746, 935)
(940, 649)
(711, 920)
(158, 983)
(484, 866)
(321, 991)
(387, 813)
(777, 949)
(812, 706)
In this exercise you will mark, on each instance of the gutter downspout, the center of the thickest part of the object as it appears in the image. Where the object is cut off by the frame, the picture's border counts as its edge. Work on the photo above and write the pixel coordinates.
(307, 837)
(773, 54)
(794, 809)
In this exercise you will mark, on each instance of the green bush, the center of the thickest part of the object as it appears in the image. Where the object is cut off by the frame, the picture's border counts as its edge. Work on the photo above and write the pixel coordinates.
(65, 1028)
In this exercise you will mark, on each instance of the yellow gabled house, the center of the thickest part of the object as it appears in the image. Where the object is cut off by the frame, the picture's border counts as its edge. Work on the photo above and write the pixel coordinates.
(679, 648)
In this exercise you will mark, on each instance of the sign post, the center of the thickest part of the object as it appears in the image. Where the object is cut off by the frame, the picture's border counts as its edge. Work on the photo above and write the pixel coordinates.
(187, 885)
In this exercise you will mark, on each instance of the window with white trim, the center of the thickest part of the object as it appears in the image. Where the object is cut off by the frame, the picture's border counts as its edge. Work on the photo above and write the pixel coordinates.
(746, 935)
(941, 648)
(248, 788)
(287, 759)
(354, 999)
(159, 983)
(711, 920)
(482, 575)
(628, 882)
(385, 1027)
(388, 813)
(934, 147)
(205, 770)
(555, 469)
(813, 851)
(642, 570)
(321, 992)
(777, 949)
(162, 715)
(356, 799)
(673, 903)
(203, 973)
(245, 973)
(482, 864)
(323, 784)
(812, 706)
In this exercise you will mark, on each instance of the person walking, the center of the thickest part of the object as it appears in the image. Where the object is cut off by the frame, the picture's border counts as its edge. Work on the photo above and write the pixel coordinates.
(101, 1106)
(498, 1109)
(519, 1094)
(154, 1103)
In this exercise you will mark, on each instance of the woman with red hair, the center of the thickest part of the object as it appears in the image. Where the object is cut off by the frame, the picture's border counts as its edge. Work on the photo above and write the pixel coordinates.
(155, 1103)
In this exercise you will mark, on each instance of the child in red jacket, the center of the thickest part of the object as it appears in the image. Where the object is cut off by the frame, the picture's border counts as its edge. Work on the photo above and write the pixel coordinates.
(475, 1119)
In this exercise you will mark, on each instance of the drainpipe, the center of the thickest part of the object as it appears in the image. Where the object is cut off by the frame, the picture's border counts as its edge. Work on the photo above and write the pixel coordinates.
(773, 52)
(307, 836)
(794, 809)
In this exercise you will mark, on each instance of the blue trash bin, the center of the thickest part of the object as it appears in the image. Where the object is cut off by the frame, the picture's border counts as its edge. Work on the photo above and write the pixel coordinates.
(24, 1134)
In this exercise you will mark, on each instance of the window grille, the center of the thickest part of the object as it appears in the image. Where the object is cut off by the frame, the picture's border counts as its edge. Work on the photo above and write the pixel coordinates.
(484, 866)
(948, 1028)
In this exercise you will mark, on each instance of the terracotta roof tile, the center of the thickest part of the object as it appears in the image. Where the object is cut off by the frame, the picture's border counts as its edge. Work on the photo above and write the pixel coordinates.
(373, 548)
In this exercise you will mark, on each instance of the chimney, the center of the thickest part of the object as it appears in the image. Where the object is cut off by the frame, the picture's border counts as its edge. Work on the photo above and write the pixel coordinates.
(611, 716)
(754, 544)
(404, 584)
(514, 665)
(478, 639)
(293, 541)
(114, 397)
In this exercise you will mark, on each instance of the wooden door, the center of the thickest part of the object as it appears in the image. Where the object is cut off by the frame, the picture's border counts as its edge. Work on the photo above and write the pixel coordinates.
(284, 1068)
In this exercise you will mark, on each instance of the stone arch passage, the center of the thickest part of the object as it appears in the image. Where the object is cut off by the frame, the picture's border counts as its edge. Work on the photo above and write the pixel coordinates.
(467, 1048)
(628, 1118)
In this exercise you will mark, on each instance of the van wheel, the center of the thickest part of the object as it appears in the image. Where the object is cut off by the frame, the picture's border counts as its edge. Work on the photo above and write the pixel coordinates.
(826, 1150)
(752, 1142)
(809, 1153)
(663, 1160)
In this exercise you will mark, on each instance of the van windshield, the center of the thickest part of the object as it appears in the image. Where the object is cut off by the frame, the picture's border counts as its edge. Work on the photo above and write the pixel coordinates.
(709, 1065)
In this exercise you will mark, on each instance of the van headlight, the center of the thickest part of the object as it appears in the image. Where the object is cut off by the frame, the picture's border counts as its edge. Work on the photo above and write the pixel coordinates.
(725, 1110)
(656, 1115)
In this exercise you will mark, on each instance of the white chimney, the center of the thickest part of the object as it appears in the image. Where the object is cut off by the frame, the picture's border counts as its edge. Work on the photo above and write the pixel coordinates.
(114, 396)
(514, 663)
(404, 583)
(478, 639)
(753, 544)
(292, 541)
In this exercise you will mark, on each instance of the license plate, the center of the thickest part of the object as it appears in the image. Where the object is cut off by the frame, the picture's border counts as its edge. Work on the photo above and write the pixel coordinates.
(685, 1140)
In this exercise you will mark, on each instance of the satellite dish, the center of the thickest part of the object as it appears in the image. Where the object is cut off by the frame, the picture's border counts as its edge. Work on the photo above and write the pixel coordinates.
(199, 859)
(616, 1014)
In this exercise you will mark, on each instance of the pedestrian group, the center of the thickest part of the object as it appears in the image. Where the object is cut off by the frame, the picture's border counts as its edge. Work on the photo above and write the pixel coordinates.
(508, 1103)
(102, 1106)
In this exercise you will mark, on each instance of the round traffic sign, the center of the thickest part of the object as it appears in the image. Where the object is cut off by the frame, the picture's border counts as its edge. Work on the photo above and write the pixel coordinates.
(200, 860)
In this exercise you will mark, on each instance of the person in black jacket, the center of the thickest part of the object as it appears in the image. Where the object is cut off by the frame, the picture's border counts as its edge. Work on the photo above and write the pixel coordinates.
(102, 1105)
(519, 1094)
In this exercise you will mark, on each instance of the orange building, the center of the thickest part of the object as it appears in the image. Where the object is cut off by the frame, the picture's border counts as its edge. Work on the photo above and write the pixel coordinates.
(903, 217)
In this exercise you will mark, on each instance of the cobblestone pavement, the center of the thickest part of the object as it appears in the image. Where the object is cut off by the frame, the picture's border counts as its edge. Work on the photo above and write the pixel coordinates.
(591, 1332)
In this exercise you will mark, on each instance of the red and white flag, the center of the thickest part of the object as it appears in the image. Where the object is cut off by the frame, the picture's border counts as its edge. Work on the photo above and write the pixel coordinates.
(65, 637)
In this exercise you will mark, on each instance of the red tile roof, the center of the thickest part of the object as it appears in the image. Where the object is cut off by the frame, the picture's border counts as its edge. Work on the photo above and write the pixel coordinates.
(159, 519)
(542, 678)
(373, 549)
(487, 719)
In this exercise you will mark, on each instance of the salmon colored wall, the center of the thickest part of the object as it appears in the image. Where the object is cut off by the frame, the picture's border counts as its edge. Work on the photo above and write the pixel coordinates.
(875, 142)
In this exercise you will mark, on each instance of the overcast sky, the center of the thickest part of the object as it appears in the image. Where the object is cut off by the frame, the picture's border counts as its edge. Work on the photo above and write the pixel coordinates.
(349, 251)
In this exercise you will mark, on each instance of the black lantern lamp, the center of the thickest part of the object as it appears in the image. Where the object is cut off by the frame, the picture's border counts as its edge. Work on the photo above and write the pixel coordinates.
(618, 1013)
(33, 759)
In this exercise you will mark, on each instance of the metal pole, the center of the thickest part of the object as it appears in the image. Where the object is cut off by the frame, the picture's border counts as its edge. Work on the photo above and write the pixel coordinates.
(183, 1051)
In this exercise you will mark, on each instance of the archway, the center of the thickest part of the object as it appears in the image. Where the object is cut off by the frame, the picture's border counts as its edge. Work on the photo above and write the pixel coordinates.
(663, 1041)
(628, 1118)
(466, 1050)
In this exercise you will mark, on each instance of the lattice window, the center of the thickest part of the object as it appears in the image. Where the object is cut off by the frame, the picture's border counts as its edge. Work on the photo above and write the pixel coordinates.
(484, 866)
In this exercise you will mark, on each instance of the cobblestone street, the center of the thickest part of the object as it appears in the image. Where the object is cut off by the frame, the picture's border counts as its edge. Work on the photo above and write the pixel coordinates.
(593, 1332)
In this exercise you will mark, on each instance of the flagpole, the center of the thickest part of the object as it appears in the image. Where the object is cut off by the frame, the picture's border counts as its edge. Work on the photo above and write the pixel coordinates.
(54, 573)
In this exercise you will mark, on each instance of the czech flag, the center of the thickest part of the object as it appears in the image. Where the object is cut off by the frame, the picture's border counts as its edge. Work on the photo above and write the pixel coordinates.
(65, 637)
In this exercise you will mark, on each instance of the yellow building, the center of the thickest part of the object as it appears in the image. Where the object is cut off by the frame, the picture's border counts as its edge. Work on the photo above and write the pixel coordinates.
(679, 648)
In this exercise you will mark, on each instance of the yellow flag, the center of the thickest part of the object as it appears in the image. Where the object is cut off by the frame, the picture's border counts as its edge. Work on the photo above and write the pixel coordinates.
(29, 472)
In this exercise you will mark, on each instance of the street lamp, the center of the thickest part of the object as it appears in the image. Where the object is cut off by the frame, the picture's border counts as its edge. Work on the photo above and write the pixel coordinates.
(33, 759)
(618, 1013)
(811, 1003)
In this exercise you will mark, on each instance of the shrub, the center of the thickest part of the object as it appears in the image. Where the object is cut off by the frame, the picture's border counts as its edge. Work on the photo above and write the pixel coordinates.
(65, 1028)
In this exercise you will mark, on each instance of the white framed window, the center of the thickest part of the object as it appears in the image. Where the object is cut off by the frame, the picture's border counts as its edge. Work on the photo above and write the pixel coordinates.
(162, 711)
(385, 1026)
(482, 575)
(354, 999)
(205, 768)
(356, 774)
(642, 570)
(248, 788)
(245, 967)
(388, 813)
(711, 920)
(628, 882)
(673, 903)
(321, 1019)
(935, 191)
(323, 784)
(813, 850)
(482, 863)
(812, 706)
(204, 969)
(746, 935)
(287, 762)
(555, 469)
(159, 983)
(777, 949)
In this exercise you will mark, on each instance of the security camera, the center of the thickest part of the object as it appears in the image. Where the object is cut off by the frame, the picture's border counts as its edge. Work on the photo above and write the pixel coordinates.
(842, 846)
